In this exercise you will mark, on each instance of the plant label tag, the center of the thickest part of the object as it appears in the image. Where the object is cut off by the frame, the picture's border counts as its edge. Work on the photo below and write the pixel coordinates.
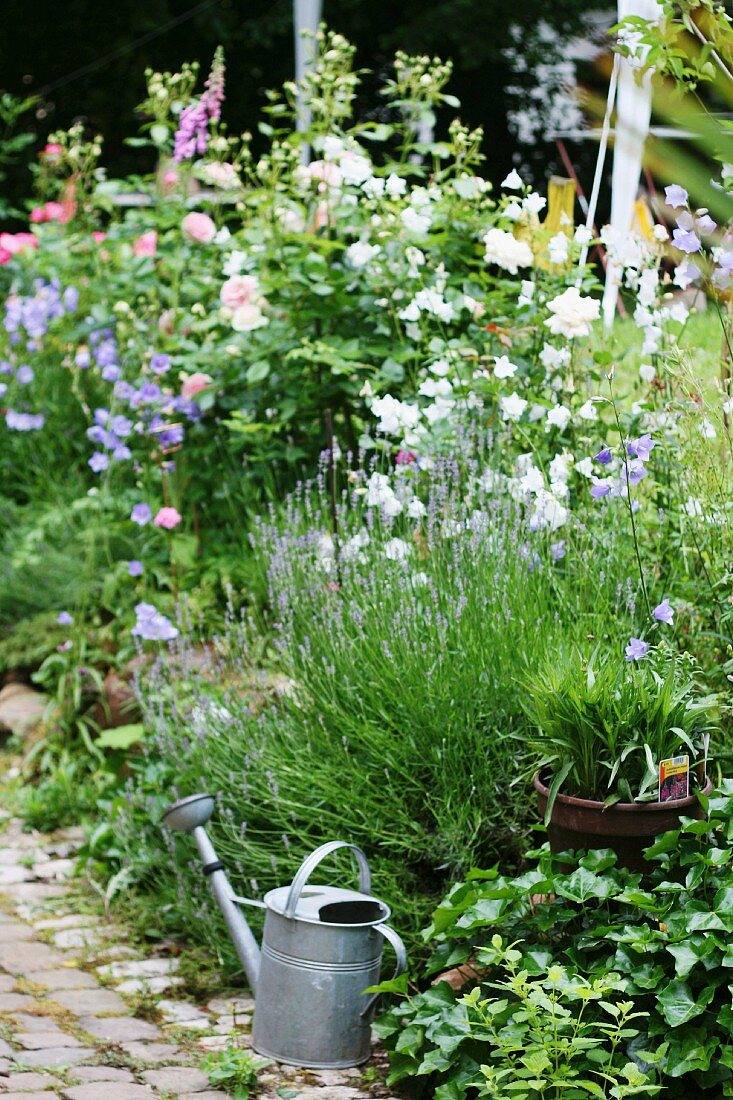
(674, 778)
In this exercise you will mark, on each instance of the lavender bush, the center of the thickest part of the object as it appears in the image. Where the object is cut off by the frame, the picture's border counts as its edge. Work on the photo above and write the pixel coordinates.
(397, 721)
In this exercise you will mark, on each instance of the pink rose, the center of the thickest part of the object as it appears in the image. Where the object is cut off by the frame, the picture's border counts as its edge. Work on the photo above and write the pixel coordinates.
(330, 174)
(12, 243)
(39, 215)
(239, 291)
(199, 227)
(5, 257)
(168, 518)
(194, 384)
(98, 236)
(55, 212)
(52, 150)
(147, 245)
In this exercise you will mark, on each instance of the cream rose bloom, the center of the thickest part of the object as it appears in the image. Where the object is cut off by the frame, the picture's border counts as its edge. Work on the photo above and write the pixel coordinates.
(506, 251)
(572, 314)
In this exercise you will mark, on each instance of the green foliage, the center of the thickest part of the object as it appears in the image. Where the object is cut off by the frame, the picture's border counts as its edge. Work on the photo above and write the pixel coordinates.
(668, 934)
(236, 1070)
(602, 726)
(27, 644)
(67, 794)
(541, 1032)
(12, 143)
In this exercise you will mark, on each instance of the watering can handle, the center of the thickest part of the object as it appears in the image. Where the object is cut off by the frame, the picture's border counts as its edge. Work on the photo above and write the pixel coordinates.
(309, 865)
(399, 949)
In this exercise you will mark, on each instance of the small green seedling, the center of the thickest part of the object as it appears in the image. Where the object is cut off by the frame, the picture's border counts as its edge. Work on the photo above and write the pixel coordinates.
(236, 1070)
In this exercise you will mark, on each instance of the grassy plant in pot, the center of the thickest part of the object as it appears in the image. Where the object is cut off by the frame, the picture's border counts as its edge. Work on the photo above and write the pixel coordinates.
(601, 730)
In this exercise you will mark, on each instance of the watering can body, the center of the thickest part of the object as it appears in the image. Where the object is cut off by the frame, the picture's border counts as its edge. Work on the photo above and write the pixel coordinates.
(311, 1008)
(321, 948)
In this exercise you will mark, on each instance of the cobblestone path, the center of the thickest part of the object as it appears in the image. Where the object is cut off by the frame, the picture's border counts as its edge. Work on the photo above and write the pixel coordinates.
(68, 983)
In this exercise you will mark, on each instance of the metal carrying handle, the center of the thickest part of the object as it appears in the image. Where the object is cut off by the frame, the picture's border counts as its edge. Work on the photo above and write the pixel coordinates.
(310, 863)
(400, 951)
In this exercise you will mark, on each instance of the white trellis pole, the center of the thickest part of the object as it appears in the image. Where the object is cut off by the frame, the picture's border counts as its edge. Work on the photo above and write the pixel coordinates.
(306, 18)
(633, 116)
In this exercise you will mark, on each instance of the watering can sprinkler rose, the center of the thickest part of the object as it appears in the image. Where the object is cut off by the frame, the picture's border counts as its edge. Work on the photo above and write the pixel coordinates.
(321, 948)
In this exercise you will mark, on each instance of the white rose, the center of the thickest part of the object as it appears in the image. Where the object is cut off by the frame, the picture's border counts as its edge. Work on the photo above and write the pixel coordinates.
(415, 223)
(360, 253)
(572, 314)
(355, 168)
(504, 250)
(248, 317)
(395, 186)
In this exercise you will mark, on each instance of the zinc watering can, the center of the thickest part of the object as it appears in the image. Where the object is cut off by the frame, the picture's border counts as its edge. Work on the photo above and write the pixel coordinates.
(321, 948)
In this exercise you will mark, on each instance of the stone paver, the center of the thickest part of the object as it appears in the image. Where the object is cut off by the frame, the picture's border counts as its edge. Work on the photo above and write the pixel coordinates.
(14, 1002)
(68, 977)
(177, 1079)
(28, 1082)
(102, 1073)
(30, 1096)
(54, 1057)
(153, 1054)
(108, 1091)
(118, 1029)
(42, 1040)
(91, 1001)
(141, 968)
(207, 1095)
(24, 958)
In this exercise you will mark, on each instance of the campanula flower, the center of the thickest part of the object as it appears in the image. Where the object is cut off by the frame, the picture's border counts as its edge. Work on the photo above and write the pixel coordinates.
(641, 447)
(664, 612)
(636, 649)
(141, 514)
(152, 625)
(675, 196)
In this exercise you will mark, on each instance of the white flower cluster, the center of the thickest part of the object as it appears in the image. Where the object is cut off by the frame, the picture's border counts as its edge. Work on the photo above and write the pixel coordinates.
(504, 250)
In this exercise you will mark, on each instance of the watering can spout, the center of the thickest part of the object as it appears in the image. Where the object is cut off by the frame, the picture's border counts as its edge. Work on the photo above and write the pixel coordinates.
(189, 815)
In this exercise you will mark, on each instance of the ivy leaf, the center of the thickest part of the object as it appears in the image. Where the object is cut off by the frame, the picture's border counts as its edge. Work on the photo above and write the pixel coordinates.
(583, 885)
(679, 1005)
(689, 1053)
(685, 958)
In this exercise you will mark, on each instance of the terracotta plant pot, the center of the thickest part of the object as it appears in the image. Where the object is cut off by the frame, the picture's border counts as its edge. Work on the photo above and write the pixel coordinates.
(627, 828)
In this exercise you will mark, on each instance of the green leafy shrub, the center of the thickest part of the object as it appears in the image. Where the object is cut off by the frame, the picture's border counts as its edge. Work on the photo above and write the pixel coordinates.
(540, 1032)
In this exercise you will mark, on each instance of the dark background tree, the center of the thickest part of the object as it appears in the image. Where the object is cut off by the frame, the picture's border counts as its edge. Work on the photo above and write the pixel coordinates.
(86, 61)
